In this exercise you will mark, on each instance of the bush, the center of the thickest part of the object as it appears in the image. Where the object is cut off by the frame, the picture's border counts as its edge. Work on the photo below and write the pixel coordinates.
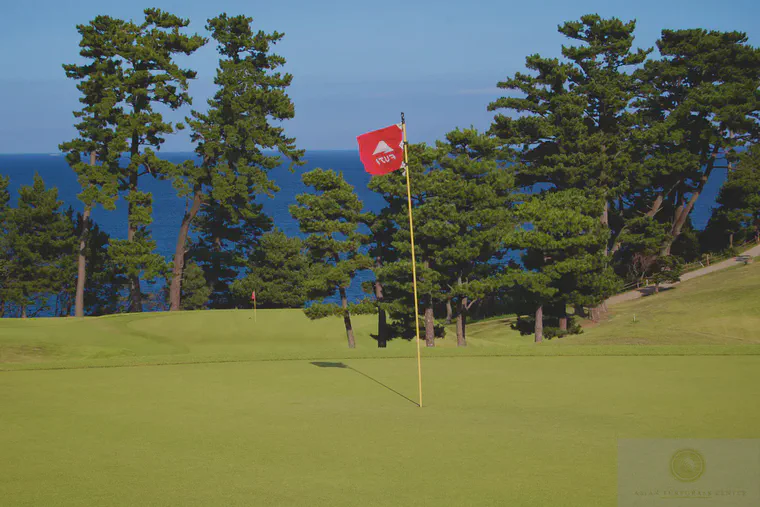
(526, 325)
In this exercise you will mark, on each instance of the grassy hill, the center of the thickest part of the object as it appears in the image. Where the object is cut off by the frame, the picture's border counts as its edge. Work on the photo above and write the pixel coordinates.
(276, 427)
(715, 314)
(722, 308)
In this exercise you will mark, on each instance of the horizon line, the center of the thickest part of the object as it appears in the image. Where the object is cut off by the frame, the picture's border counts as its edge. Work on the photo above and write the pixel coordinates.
(57, 153)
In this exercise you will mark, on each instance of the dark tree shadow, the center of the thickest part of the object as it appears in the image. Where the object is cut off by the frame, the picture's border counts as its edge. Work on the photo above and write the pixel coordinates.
(649, 290)
(328, 364)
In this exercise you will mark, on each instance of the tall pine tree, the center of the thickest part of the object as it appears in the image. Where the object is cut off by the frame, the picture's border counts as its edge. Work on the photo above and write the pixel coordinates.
(97, 139)
(232, 137)
(141, 61)
(700, 102)
(332, 217)
(5, 253)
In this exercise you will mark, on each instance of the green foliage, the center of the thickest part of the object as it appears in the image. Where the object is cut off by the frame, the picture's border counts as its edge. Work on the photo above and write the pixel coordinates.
(564, 243)
(737, 217)
(104, 292)
(40, 246)
(573, 123)
(223, 244)
(195, 290)
(699, 101)
(278, 270)
(135, 257)
(5, 252)
(232, 139)
(462, 205)
(130, 70)
(526, 324)
(331, 217)
(666, 269)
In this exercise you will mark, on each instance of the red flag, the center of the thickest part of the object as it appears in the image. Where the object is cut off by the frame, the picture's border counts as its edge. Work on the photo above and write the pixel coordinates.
(382, 151)
(253, 296)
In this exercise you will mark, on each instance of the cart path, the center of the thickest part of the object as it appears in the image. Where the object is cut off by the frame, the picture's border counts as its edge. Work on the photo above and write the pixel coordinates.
(645, 291)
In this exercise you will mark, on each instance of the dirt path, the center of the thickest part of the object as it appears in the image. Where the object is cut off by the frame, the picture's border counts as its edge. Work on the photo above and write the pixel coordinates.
(645, 291)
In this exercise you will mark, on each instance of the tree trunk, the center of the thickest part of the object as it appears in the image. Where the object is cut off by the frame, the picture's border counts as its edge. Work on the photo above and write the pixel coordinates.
(175, 290)
(135, 292)
(606, 222)
(347, 319)
(683, 211)
(382, 325)
(657, 287)
(82, 262)
(429, 325)
(23, 311)
(539, 328)
(382, 329)
(731, 240)
(656, 205)
(449, 311)
(462, 323)
(594, 314)
(563, 319)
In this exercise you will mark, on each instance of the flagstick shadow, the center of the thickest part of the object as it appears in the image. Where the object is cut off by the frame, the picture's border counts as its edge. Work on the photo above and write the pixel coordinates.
(323, 364)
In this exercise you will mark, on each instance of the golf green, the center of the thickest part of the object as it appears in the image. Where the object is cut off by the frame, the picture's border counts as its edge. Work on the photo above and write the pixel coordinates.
(494, 430)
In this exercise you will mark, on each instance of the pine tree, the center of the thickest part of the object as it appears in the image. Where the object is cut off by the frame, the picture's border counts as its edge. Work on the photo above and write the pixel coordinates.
(476, 194)
(395, 273)
(462, 210)
(565, 258)
(332, 217)
(101, 96)
(5, 253)
(575, 126)
(195, 290)
(738, 210)
(382, 231)
(700, 101)
(40, 244)
(144, 78)
(226, 237)
(278, 271)
(103, 294)
(241, 123)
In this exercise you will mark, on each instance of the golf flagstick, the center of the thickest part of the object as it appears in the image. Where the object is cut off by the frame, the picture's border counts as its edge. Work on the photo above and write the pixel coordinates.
(382, 152)
(414, 260)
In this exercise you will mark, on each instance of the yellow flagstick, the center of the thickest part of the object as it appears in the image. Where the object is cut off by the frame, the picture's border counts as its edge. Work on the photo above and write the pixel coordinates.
(414, 261)
(254, 312)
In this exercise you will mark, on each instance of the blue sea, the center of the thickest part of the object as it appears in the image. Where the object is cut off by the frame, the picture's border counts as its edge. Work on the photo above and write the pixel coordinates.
(168, 208)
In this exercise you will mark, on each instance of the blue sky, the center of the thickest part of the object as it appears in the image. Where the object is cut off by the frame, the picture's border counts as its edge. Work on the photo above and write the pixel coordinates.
(356, 64)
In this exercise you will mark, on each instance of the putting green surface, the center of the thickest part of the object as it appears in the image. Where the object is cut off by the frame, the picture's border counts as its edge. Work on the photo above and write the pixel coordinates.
(494, 430)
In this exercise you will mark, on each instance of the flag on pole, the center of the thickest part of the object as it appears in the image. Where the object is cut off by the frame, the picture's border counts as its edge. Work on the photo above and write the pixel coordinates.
(253, 296)
(382, 151)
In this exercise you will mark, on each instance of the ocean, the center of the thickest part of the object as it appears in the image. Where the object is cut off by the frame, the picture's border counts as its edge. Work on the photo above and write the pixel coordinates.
(168, 208)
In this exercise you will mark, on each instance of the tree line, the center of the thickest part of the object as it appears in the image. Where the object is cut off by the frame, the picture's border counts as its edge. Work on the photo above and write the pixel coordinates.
(586, 180)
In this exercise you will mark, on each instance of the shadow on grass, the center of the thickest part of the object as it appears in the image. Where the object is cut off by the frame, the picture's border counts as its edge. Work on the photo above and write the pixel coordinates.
(650, 290)
(329, 364)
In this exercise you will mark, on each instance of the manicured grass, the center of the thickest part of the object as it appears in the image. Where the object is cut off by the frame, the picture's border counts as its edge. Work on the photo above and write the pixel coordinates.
(213, 408)
(719, 312)
(495, 430)
(715, 314)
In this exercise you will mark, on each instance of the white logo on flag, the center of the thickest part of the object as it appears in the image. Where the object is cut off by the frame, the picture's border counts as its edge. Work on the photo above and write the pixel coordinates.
(382, 147)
